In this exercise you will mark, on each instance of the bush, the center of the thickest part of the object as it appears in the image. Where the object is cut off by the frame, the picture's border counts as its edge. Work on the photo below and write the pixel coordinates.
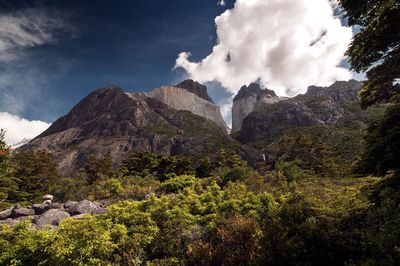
(290, 170)
(105, 189)
(177, 184)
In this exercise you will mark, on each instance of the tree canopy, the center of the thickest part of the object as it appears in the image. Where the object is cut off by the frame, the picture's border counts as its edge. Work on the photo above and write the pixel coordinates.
(376, 48)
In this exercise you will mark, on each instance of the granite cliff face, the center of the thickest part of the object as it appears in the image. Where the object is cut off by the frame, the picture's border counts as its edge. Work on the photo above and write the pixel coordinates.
(111, 121)
(190, 96)
(196, 88)
(248, 99)
(337, 105)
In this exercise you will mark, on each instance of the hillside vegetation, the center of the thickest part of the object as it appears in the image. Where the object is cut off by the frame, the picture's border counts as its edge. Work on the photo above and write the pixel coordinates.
(165, 210)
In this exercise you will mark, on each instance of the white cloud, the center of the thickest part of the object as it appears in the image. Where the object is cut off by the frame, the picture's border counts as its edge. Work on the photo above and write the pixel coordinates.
(18, 128)
(21, 80)
(226, 112)
(286, 44)
(29, 27)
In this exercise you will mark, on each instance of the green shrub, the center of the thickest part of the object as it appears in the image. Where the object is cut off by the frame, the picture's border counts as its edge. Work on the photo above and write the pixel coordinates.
(290, 170)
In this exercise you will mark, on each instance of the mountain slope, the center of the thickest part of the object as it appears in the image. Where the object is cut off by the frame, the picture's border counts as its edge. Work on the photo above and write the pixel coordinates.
(337, 105)
(111, 121)
(325, 121)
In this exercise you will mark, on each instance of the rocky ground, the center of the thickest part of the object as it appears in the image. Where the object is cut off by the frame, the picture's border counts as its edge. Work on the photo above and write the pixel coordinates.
(42, 215)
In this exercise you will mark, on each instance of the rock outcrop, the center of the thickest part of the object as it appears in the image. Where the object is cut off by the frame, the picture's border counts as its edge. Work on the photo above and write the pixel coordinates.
(248, 99)
(111, 121)
(190, 96)
(196, 88)
(337, 105)
(42, 215)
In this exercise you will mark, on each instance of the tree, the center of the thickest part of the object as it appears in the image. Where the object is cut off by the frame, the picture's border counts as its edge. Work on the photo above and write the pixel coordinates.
(38, 174)
(163, 167)
(98, 168)
(4, 152)
(9, 185)
(382, 150)
(376, 48)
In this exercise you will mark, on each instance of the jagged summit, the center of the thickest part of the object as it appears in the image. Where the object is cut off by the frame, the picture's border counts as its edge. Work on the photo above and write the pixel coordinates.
(336, 105)
(196, 88)
(337, 87)
(255, 90)
(248, 99)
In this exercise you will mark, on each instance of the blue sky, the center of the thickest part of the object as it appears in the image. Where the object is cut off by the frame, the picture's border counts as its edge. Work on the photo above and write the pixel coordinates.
(54, 52)
(131, 44)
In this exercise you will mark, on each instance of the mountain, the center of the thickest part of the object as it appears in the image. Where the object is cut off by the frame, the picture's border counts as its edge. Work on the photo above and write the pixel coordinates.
(337, 105)
(196, 88)
(325, 123)
(190, 96)
(248, 99)
(20, 143)
(111, 121)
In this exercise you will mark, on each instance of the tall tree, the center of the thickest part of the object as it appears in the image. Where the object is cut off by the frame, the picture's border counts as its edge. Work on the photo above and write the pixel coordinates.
(376, 51)
(9, 185)
(376, 48)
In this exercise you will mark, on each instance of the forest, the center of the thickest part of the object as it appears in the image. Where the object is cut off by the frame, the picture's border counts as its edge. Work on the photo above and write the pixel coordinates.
(166, 210)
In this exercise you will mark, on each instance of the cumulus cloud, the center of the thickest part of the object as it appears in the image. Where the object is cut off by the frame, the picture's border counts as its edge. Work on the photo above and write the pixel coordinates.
(18, 128)
(286, 45)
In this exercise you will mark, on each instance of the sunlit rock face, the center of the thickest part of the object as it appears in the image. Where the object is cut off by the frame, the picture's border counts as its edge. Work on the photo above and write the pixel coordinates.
(190, 96)
(249, 99)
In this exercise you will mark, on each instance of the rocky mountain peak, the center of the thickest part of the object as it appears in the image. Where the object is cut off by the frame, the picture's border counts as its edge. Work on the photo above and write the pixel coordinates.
(248, 99)
(190, 96)
(90, 108)
(196, 88)
(168, 120)
(333, 106)
(338, 88)
(254, 90)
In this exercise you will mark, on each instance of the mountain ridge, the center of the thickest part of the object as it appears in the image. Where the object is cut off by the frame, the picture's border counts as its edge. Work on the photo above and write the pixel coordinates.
(335, 105)
(111, 121)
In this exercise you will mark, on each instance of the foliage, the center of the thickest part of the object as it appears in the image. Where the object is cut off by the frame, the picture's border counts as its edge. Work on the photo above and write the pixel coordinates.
(229, 159)
(309, 152)
(233, 215)
(4, 153)
(106, 189)
(177, 184)
(376, 48)
(204, 168)
(291, 171)
(38, 175)
(382, 144)
(162, 167)
(97, 168)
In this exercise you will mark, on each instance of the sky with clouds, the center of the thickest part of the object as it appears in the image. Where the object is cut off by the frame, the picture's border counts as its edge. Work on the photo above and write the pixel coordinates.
(53, 53)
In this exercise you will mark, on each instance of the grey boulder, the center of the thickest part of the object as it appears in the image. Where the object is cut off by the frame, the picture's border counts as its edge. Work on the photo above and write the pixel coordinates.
(70, 204)
(19, 212)
(84, 206)
(51, 217)
(5, 214)
(9, 222)
(42, 208)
